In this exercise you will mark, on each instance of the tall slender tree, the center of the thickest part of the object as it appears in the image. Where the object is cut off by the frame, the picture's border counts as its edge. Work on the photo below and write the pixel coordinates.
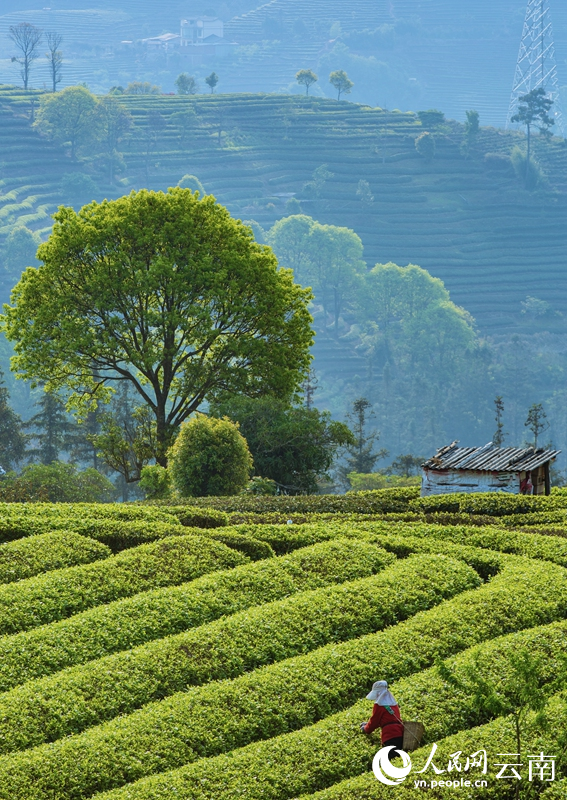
(52, 430)
(54, 57)
(533, 109)
(536, 421)
(361, 455)
(27, 39)
(12, 437)
(499, 436)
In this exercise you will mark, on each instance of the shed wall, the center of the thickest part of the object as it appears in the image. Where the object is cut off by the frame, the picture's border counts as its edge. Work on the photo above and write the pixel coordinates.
(448, 481)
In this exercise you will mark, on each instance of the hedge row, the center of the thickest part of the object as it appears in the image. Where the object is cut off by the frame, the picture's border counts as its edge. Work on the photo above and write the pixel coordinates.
(188, 726)
(256, 549)
(115, 527)
(61, 593)
(286, 538)
(493, 504)
(380, 501)
(25, 558)
(163, 612)
(80, 697)
(495, 737)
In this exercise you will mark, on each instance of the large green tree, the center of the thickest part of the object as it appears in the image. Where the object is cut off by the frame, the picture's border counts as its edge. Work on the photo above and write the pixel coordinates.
(166, 291)
(68, 117)
(293, 445)
(326, 256)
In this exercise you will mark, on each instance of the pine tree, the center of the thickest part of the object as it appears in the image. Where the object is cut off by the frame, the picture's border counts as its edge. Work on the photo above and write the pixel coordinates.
(12, 438)
(499, 436)
(53, 431)
(362, 457)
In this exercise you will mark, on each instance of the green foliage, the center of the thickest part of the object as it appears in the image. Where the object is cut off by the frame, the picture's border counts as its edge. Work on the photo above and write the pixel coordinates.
(327, 257)
(155, 482)
(537, 422)
(294, 446)
(260, 317)
(127, 437)
(57, 482)
(342, 83)
(19, 250)
(12, 437)
(531, 173)
(186, 84)
(27, 557)
(425, 146)
(53, 433)
(433, 118)
(306, 77)
(193, 183)
(209, 457)
(142, 87)
(68, 117)
(61, 593)
(211, 81)
(265, 487)
(361, 482)
(155, 614)
(227, 648)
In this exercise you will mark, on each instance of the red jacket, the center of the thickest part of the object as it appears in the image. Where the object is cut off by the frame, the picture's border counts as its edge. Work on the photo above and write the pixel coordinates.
(381, 718)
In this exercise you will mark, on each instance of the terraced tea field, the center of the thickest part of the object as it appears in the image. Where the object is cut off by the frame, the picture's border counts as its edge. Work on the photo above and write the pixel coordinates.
(491, 242)
(222, 649)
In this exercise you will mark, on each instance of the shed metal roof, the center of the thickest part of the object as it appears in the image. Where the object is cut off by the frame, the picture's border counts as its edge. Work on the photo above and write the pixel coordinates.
(489, 458)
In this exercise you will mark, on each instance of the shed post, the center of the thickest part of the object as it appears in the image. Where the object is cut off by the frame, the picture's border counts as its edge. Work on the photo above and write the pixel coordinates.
(547, 478)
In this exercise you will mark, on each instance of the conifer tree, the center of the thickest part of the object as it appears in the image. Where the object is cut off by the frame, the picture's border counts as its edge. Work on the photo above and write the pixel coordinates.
(52, 430)
(12, 437)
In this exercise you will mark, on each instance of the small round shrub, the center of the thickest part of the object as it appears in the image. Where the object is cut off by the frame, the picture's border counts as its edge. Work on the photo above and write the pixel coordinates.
(155, 482)
(210, 457)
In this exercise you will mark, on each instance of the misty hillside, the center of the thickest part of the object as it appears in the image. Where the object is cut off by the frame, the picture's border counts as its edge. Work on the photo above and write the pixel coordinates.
(406, 54)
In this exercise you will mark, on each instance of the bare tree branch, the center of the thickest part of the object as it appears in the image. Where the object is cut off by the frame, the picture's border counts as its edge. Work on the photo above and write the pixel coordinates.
(26, 37)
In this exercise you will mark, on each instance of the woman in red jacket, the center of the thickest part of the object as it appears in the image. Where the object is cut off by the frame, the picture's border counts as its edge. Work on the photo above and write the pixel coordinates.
(385, 715)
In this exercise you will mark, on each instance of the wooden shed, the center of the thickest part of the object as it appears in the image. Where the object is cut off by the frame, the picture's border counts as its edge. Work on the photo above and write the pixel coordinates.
(488, 469)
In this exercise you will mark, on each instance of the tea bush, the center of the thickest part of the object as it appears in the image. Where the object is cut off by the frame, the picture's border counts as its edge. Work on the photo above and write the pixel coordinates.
(84, 696)
(161, 612)
(25, 558)
(61, 593)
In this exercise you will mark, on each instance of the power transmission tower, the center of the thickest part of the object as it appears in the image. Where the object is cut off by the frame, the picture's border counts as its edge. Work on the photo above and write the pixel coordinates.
(536, 61)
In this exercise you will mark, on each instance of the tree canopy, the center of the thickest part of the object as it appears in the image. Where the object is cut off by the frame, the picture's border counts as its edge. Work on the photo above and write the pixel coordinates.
(165, 291)
(342, 83)
(327, 256)
(293, 445)
(68, 117)
(306, 77)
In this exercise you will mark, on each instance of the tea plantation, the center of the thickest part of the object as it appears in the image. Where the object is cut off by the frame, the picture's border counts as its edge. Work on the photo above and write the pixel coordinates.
(221, 649)
(465, 219)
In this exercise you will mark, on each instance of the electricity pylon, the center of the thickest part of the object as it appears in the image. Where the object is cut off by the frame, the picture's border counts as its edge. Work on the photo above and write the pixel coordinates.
(536, 61)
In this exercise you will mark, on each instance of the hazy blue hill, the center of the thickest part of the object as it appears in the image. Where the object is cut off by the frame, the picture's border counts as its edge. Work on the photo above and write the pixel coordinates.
(407, 54)
(491, 241)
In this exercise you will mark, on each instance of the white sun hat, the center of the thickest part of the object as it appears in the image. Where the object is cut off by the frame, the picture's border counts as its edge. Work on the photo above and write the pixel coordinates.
(381, 694)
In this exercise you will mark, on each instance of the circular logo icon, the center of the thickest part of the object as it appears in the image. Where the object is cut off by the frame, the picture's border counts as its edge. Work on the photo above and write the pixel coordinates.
(386, 772)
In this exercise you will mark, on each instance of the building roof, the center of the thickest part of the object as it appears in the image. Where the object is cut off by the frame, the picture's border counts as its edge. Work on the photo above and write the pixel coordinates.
(489, 458)
(163, 39)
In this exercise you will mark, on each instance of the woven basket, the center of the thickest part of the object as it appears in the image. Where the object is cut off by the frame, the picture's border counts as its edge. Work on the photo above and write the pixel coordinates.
(413, 733)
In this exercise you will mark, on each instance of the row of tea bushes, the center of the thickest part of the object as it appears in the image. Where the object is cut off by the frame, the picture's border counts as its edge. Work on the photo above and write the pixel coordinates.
(117, 525)
(61, 593)
(24, 558)
(80, 697)
(495, 737)
(162, 612)
(189, 725)
(380, 501)
(492, 504)
(286, 538)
